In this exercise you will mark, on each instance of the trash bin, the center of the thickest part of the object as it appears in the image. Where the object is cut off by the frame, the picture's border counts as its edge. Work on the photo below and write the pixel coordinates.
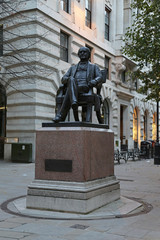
(152, 148)
(157, 154)
(146, 147)
(21, 152)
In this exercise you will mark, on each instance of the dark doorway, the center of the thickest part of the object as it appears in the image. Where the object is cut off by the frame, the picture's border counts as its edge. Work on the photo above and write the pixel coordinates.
(2, 120)
(121, 124)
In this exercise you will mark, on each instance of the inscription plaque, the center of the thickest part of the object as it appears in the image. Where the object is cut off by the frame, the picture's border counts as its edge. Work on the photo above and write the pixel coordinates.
(55, 165)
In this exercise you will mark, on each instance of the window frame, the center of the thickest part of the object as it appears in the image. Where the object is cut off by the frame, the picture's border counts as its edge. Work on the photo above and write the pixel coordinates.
(88, 13)
(64, 50)
(107, 23)
(65, 5)
(123, 76)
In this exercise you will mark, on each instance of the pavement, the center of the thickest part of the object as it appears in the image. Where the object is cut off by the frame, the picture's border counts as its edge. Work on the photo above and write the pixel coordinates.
(139, 182)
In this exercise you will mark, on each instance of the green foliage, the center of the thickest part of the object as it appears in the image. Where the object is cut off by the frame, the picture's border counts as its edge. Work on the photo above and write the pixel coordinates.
(142, 45)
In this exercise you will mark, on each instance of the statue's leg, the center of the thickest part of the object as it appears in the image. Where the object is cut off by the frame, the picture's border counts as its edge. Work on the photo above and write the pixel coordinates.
(61, 116)
(89, 113)
(99, 117)
(73, 92)
(84, 110)
(76, 117)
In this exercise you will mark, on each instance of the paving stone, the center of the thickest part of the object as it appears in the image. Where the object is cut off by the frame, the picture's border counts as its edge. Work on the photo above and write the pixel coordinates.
(6, 224)
(39, 237)
(21, 220)
(2, 238)
(99, 236)
(152, 235)
(12, 234)
(43, 229)
(140, 233)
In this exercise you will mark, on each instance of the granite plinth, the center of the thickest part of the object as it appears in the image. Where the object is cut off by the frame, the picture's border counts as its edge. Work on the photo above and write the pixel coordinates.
(83, 180)
(91, 151)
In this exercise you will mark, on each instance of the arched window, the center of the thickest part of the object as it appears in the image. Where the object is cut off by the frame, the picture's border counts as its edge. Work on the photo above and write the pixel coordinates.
(105, 112)
(154, 127)
(135, 127)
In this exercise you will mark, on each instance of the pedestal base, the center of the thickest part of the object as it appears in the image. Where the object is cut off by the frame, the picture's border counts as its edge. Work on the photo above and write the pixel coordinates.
(74, 169)
(72, 197)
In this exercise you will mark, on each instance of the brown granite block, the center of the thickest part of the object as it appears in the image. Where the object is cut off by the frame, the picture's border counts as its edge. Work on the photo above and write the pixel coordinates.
(90, 149)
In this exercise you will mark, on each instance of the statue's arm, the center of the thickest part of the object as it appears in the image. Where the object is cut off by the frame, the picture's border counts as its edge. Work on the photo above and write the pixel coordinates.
(97, 77)
(66, 76)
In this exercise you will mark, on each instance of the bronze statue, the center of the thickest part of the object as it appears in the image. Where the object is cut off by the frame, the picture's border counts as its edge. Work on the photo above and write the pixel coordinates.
(78, 81)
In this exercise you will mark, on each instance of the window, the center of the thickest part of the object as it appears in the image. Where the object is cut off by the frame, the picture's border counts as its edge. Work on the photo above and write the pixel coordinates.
(106, 65)
(154, 127)
(123, 76)
(107, 23)
(136, 127)
(1, 40)
(88, 13)
(64, 46)
(65, 4)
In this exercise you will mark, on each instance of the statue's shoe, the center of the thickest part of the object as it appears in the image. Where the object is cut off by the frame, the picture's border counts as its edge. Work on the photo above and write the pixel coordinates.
(57, 119)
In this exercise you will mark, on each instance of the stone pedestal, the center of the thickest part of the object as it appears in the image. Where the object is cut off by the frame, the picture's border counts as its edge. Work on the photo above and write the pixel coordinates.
(74, 169)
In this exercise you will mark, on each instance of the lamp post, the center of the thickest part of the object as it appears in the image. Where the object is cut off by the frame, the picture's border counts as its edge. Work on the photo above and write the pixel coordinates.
(157, 145)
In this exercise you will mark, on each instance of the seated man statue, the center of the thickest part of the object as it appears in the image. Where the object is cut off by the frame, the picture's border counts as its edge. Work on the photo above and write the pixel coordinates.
(80, 78)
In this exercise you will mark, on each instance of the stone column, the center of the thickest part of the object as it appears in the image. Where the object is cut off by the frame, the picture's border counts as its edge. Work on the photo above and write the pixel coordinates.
(119, 17)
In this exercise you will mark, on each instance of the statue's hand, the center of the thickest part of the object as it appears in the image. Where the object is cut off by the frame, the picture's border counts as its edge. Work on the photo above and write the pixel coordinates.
(92, 83)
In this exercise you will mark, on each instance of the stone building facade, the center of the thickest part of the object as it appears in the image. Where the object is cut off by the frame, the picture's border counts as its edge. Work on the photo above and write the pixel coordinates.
(41, 39)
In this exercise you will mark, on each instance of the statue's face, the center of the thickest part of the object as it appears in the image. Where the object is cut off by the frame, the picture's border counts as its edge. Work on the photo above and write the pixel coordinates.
(83, 54)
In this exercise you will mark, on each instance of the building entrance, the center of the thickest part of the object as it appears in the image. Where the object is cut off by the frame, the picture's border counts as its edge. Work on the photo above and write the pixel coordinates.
(2, 120)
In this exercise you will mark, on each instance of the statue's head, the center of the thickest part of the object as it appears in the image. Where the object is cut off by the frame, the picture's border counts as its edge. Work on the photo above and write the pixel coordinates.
(84, 53)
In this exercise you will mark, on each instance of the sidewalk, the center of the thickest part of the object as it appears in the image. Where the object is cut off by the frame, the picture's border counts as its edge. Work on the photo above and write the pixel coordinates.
(139, 180)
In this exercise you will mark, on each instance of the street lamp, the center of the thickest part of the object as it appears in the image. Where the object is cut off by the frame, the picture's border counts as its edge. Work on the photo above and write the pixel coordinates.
(157, 145)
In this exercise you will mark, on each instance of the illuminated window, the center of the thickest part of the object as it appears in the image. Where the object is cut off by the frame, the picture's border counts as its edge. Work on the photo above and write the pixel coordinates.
(107, 23)
(1, 40)
(64, 46)
(154, 127)
(88, 12)
(65, 4)
(135, 127)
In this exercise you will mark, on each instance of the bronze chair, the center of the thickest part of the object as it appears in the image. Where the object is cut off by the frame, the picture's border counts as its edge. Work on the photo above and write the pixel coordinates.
(86, 100)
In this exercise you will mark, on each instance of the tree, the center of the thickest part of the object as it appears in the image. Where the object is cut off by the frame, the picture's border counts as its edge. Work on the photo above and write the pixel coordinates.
(18, 46)
(142, 45)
